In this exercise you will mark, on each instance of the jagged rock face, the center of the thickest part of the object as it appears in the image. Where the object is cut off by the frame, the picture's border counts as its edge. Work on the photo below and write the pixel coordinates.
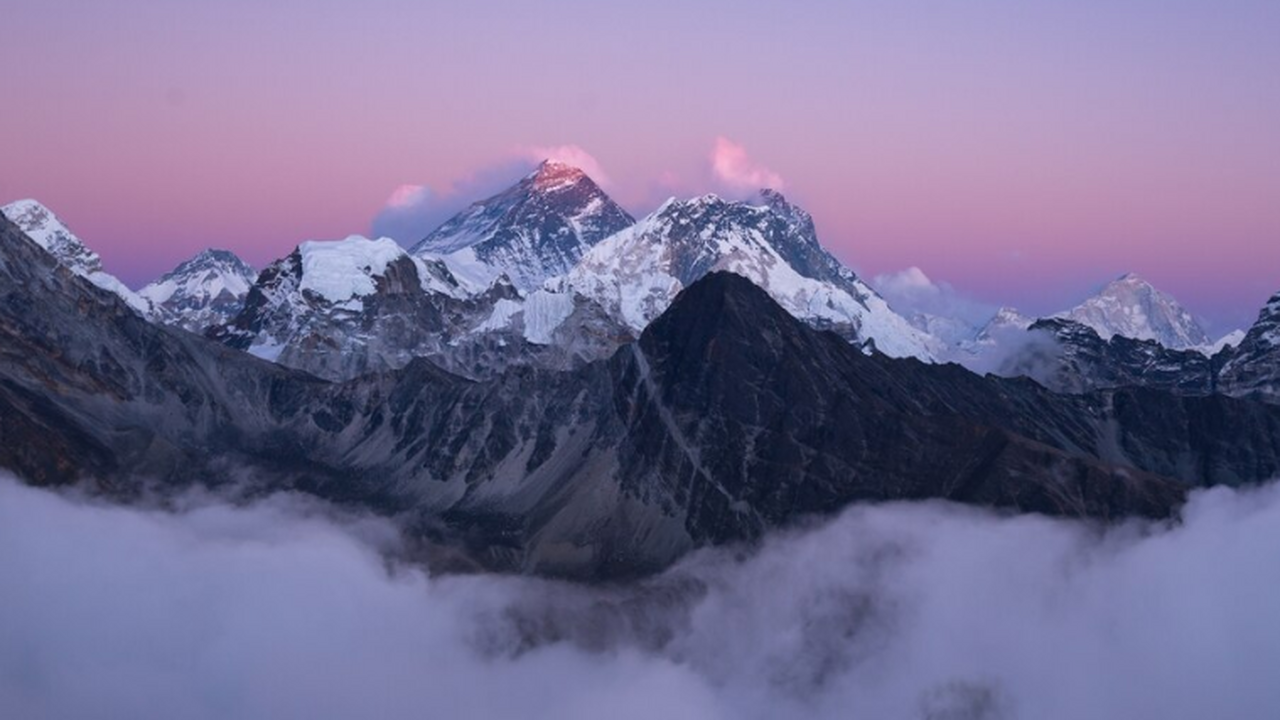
(636, 274)
(799, 246)
(1230, 340)
(533, 231)
(41, 225)
(1253, 367)
(1081, 361)
(347, 308)
(353, 307)
(1076, 360)
(207, 290)
(728, 417)
(1129, 306)
(91, 390)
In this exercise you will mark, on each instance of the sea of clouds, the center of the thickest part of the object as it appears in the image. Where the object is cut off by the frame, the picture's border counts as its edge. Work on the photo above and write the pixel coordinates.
(284, 608)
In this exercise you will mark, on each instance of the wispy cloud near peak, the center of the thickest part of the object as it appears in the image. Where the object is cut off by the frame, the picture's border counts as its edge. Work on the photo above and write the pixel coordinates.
(737, 171)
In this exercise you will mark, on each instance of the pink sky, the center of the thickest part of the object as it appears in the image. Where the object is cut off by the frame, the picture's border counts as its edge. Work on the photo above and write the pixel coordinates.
(1024, 155)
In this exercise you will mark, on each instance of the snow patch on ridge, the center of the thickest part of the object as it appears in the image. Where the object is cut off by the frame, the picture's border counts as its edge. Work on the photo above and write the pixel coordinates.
(541, 313)
(1231, 339)
(339, 270)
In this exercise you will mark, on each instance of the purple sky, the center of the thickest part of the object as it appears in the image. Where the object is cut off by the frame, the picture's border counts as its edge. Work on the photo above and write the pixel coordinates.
(1023, 154)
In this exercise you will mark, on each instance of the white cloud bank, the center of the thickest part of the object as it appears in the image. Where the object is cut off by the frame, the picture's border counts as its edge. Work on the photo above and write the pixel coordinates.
(905, 611)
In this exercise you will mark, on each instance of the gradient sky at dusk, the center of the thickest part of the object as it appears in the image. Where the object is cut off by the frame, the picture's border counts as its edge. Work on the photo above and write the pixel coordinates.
(1024, 152)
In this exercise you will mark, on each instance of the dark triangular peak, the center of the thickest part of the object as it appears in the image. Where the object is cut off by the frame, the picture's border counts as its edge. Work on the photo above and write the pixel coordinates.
(724, 312)
(746, 415)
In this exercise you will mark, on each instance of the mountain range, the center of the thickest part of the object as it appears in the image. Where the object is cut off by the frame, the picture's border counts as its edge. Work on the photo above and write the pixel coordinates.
(544, 384)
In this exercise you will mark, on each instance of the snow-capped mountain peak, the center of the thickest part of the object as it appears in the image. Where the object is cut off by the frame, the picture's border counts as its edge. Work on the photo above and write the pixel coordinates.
(553, 176)
(636, 273)
(536, 229)
(207, 289)
(1008, 317)
(208, 273)
(41, 225)
(1131, 307)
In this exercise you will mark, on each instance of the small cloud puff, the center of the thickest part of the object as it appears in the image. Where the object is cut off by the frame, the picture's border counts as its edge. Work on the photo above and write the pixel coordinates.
(410, 212)
(408, 196)
(735, 170)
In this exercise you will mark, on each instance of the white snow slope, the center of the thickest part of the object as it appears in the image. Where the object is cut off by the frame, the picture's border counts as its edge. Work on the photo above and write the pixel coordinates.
(41, 225)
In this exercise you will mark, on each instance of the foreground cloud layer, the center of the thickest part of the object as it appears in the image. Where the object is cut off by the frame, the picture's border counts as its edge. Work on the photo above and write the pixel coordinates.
(283, 609)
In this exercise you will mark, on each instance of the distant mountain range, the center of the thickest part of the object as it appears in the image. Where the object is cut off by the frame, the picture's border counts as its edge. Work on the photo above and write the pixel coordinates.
(563, 249)
(545, 384)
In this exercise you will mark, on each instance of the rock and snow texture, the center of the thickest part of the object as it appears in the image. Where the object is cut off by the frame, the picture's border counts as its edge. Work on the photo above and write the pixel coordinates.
(1131, 307)
(537, 229)
(343, 307)
(635, 274)
(540, 314)
(343, 271)
(41, 225)
(339, 309)
(1231, 339)
(209, 289)
(1252, 367)
(1005, 324)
